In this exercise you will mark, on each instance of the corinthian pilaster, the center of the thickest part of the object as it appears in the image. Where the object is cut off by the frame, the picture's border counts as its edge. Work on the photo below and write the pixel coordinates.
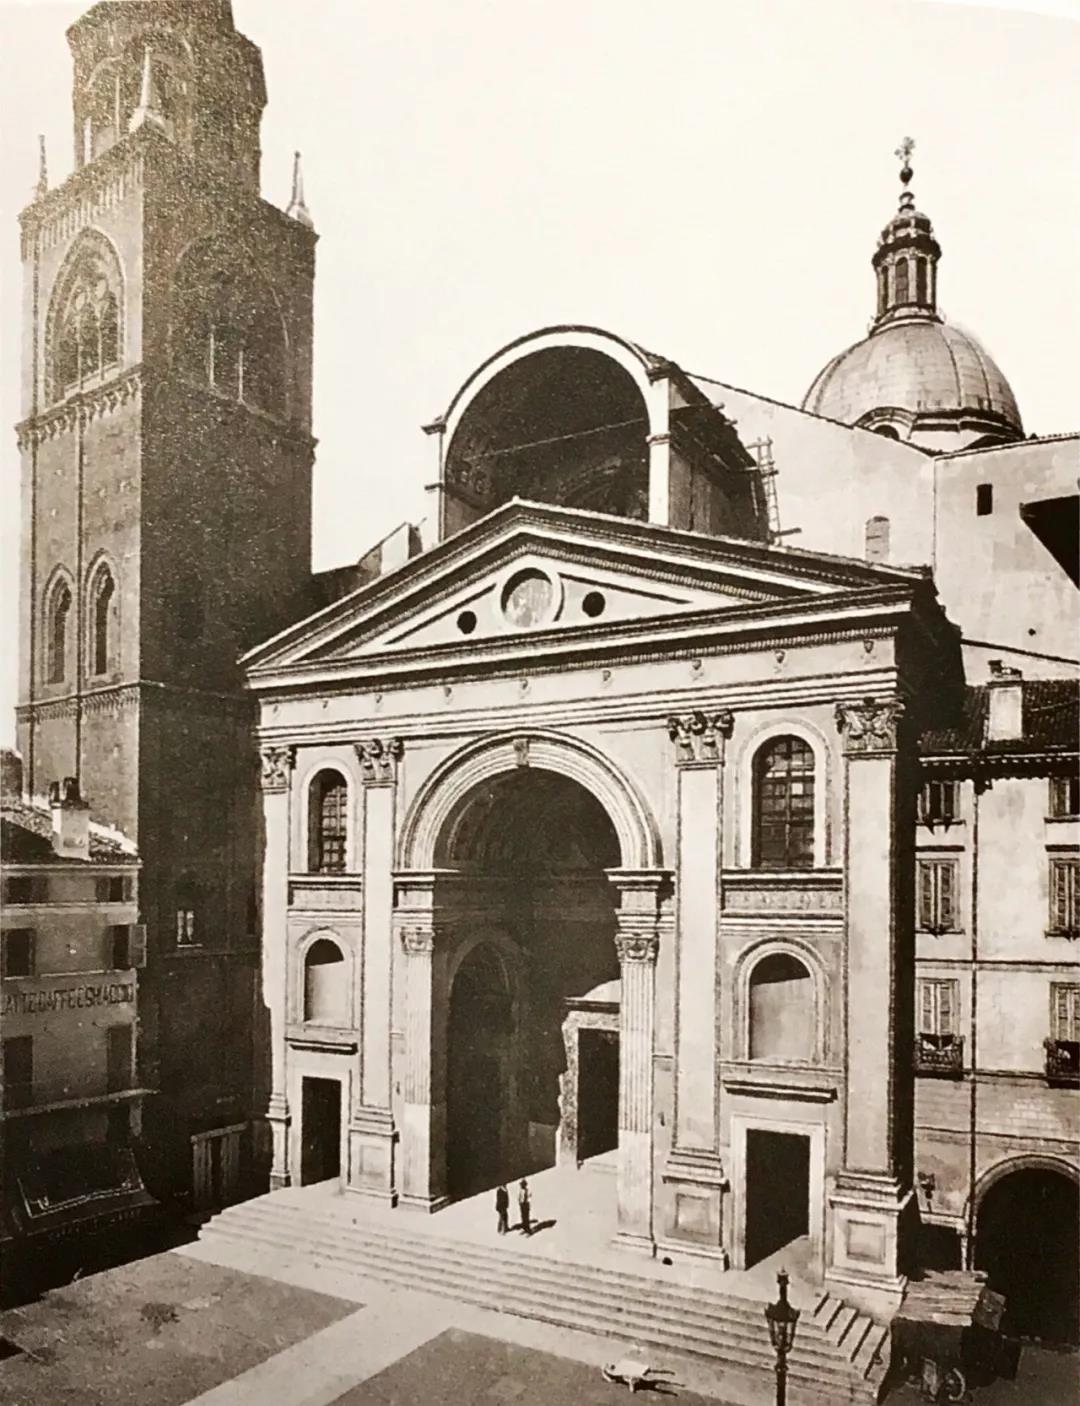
(276, 763)
(637, 942)
(871, 1192)
(424, 1112)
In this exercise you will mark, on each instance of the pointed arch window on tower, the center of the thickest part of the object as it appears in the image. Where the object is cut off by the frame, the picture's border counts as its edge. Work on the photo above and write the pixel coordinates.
(59, 616)
(102, 607)
(86, 327)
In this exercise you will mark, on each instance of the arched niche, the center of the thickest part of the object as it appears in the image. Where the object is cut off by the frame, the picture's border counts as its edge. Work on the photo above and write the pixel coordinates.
(781, 1009)
(326, 983)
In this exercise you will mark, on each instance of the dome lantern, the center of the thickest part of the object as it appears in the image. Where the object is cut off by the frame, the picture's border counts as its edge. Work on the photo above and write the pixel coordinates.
(907, 255)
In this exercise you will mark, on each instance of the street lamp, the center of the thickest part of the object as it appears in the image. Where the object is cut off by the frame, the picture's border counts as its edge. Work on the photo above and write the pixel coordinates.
(781, 1318)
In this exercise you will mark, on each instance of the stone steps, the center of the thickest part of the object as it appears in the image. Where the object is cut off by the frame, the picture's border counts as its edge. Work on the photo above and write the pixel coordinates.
(840, 1355)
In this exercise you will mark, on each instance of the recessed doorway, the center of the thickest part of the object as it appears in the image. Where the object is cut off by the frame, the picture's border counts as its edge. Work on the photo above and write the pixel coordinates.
(320, 1130)
(598, 1093)
(777, 1195)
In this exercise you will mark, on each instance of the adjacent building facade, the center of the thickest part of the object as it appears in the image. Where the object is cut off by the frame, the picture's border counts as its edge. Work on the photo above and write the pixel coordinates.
(71, 954)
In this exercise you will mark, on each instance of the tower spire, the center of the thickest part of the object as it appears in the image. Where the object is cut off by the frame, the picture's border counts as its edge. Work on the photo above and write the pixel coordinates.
(907, 256)
(298, 209)
(42, 187)
(148, 113)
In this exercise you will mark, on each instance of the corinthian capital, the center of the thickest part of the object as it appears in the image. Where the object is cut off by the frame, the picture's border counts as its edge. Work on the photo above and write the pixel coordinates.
(275, 767)
(869, 727)
(378, 758)
(418, 940)
(637, 948)
(700, 736)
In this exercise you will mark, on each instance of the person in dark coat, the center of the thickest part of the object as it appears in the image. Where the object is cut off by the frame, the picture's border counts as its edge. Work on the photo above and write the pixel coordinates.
(525, 1207)
(502, 1209)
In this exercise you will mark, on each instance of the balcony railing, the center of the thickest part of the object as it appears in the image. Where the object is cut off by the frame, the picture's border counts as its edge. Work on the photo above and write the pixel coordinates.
(1063, 1061)
(939, 1054)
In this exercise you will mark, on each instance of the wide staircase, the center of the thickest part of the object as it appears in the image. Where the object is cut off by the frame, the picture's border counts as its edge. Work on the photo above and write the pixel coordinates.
(839, 1355)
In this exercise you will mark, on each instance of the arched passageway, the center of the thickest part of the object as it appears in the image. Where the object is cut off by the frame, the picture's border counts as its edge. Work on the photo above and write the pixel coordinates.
(530, 847)
(1028, 1240)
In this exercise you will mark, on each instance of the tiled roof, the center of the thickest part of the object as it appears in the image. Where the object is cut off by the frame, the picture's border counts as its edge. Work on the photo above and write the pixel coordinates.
(1051, 719)
(26, 838)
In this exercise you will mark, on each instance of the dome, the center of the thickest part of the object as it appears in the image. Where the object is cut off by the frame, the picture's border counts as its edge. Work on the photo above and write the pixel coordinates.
(922, 368)
(915, 377)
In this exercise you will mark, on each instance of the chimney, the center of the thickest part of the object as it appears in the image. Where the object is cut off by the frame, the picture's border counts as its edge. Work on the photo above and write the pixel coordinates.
(70, 820)
(1005, 718)
(11, 782)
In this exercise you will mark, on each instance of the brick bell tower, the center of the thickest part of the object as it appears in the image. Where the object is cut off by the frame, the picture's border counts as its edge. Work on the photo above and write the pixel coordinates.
(166, 486)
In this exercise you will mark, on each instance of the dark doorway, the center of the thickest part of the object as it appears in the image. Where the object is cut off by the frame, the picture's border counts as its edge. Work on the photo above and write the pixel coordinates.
(1028, 1240)
(598, 1093)
(777, 1191)
(320, 1131)
(481, 1023)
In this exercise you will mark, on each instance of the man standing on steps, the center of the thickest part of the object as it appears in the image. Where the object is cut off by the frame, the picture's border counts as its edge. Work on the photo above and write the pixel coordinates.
(525, 1207)
(502, 1209)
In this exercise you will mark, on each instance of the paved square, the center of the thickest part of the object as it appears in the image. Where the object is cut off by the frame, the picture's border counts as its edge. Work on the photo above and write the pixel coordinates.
(161, 1330)
(461, 1367)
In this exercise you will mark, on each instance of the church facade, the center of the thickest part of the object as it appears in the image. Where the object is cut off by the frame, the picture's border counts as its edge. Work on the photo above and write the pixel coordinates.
(633, 807)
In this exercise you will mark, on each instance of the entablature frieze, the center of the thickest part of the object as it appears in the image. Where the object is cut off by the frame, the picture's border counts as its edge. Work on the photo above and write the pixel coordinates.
(754, 892)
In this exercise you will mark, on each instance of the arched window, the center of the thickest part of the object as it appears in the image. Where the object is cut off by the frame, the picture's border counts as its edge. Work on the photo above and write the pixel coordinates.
(877, 539)
(187, 912)
(920, 280)
(783, 820)
(781, 1009)
(102, 604)
(59, 615)
(902, 281)
(84, 321)
(228, 332)
(326, 994)
(328, 816)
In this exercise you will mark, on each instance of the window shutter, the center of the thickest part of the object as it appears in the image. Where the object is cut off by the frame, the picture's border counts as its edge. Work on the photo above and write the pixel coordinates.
(1058, 894)
(926, 894)
(926, 1008)
(947, 994)
(947, 895)
(137, 944)
(1066, 1013)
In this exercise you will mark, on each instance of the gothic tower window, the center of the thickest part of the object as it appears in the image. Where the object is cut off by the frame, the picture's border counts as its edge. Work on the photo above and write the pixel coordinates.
(102, 598)
(84, 331)
(783, 805)
(58, 617)
(228, 333)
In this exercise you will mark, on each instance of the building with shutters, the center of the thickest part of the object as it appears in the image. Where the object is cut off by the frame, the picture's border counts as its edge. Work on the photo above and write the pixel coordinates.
(71, 954)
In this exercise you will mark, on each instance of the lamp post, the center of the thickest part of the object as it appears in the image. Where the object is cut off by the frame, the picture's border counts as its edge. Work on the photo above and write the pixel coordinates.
(781, 1318)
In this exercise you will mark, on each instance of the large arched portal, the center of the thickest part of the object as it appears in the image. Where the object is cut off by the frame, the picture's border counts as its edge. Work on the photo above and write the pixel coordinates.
(1028, 1240)
(531, 847)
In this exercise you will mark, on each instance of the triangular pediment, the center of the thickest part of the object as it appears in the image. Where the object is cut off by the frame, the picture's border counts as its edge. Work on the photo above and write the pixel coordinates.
(530, 570)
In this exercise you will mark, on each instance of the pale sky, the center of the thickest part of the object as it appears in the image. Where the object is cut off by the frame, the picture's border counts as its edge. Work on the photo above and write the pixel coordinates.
(706, 177)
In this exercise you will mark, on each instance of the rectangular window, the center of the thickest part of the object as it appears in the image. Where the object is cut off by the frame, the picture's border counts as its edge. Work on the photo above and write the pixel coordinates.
(1063, 1046)
(120, 942)
(1064, 797)
(26, 888)
(984, 499)
(185, 927)
(939, 802)
(937, 895)
(114, 889)
(19, 1071)
(119, 1058)
(939, 1008)
(1064, 909)
(17, 952)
